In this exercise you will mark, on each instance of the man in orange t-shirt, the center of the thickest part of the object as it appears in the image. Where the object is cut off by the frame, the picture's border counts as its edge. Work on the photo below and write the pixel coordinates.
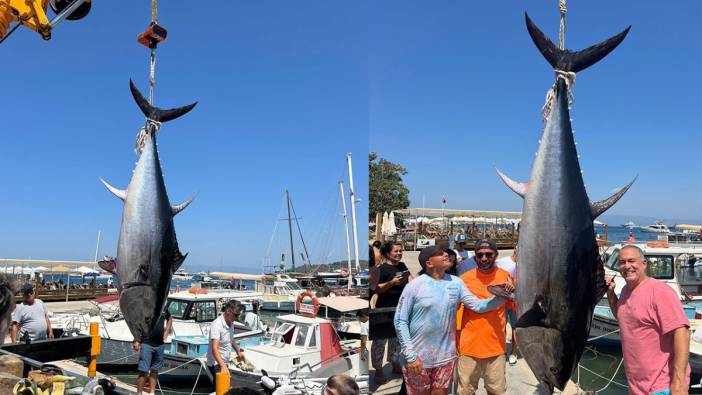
(482, 338)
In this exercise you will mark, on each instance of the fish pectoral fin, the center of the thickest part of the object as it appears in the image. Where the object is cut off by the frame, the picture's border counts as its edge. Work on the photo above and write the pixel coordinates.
(120, 193)
(519, 188)
(574, 61)
(597, 208)
(176, 209)
(108, 264)
(532, 317)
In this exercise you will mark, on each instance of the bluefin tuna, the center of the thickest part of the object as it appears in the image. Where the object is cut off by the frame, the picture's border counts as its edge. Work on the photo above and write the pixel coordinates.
(8, 289)
(559, 277)
(147, 251)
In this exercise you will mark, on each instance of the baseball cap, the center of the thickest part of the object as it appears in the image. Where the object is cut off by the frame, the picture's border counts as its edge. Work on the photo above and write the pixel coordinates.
(429, 252)
(485, 243)
(27, 289)
(459, 238)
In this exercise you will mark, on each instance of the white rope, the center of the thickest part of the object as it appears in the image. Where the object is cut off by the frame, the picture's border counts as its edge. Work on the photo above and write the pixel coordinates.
(141, 137)
(611, 380)
(605, 378)
(118, 359)
(601, 336)
(561, 34)
(152, 61)
(569, 78)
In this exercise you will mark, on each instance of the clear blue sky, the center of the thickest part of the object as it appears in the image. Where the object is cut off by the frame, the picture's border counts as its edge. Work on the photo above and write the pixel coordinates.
(283, 96)
(456, 88)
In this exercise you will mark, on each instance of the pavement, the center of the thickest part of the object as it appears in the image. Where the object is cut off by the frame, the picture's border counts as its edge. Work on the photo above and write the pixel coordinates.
(520, 379)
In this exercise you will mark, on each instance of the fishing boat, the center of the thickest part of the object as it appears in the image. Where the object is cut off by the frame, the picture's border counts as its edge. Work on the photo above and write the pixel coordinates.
(658, 227)
(300, 347)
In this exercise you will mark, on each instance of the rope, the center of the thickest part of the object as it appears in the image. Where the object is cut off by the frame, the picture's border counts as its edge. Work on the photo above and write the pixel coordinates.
(569, 78)
(604, 335)
(611, 380)
(561, 33)
(141, 137)
(605, 378)
(118, 359)
(152, 62)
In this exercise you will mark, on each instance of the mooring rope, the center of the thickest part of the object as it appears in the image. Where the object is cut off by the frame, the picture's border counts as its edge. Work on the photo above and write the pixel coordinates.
(601, 336)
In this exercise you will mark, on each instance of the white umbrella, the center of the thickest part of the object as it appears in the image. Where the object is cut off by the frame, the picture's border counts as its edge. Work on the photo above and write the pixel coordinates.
(41, 269)
(87, 270)
(384, 228)
(392, 229)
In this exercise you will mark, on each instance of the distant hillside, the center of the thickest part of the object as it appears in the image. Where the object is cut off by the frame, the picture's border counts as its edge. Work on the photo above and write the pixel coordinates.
(329, 267)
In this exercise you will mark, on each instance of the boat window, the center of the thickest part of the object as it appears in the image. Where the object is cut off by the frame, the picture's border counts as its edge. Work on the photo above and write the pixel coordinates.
(313, 337)
(658, 266)
(284, 331)
(203, 311)
(301, 335)
(177, 308)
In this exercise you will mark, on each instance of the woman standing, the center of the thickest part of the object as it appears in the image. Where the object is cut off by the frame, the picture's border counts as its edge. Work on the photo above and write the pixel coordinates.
(393, 275)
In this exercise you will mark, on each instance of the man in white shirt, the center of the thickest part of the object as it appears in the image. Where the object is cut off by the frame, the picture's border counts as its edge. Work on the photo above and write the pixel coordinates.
(222, 339)
(466, 263)
(362, 316)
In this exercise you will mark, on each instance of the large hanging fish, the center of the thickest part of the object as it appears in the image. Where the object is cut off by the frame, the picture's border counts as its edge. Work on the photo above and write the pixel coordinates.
(147, 251)
(559, 279)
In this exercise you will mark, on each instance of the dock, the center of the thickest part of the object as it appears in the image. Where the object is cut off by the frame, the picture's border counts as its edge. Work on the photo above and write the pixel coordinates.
(520, 379)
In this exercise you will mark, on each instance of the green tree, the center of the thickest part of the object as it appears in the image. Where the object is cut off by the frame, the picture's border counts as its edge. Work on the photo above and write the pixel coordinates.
(387, 191)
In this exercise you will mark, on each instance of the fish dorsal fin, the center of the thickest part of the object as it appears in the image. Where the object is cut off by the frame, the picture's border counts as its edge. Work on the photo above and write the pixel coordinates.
(597, 208)
(120, 193)
(178, 258)
(534, 316)
(519, 188)
(108, 264)
(176, 209)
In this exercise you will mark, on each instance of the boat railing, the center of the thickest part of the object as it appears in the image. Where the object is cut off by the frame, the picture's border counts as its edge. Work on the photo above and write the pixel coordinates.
(310, 368)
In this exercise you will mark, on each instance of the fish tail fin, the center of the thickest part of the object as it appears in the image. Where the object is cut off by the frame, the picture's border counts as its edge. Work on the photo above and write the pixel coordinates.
(155, 113)
(567, 60)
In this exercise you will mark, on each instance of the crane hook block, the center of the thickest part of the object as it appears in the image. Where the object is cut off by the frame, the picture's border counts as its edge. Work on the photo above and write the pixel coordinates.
(153, 35)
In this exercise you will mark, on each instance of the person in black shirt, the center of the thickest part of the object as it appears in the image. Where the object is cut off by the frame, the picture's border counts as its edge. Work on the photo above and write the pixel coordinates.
(150, 348)
(392, 278)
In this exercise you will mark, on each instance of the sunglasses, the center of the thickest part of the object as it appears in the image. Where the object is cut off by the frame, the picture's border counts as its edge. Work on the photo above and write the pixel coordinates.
(485, 254)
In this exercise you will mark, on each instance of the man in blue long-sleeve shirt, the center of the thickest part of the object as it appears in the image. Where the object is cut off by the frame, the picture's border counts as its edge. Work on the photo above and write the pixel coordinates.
(425, 322)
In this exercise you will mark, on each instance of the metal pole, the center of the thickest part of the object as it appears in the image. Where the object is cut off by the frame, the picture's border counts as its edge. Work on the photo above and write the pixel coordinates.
(352, 197)
(152, 58)
(97, 246)
(292, 248)
(346, 228)
(68, 11)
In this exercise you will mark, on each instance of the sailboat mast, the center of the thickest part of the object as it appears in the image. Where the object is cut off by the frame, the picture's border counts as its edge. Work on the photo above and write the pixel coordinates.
(346, 228)
(292, 248)
(352, 197)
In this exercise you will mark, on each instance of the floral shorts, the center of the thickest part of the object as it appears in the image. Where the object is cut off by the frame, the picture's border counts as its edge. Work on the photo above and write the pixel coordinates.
(436, 377)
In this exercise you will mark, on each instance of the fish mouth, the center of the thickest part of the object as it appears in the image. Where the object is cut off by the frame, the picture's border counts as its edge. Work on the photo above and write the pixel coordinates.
(139, 305)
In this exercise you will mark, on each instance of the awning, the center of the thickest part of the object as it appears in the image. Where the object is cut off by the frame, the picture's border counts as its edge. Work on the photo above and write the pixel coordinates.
(344, 304)
(237, 276)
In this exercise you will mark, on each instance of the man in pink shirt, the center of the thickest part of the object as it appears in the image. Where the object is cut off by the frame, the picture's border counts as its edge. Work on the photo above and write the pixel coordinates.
(655, 332)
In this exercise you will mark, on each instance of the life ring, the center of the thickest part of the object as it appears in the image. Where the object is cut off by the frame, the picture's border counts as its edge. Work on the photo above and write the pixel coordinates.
(303, 309)
(197, 290)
